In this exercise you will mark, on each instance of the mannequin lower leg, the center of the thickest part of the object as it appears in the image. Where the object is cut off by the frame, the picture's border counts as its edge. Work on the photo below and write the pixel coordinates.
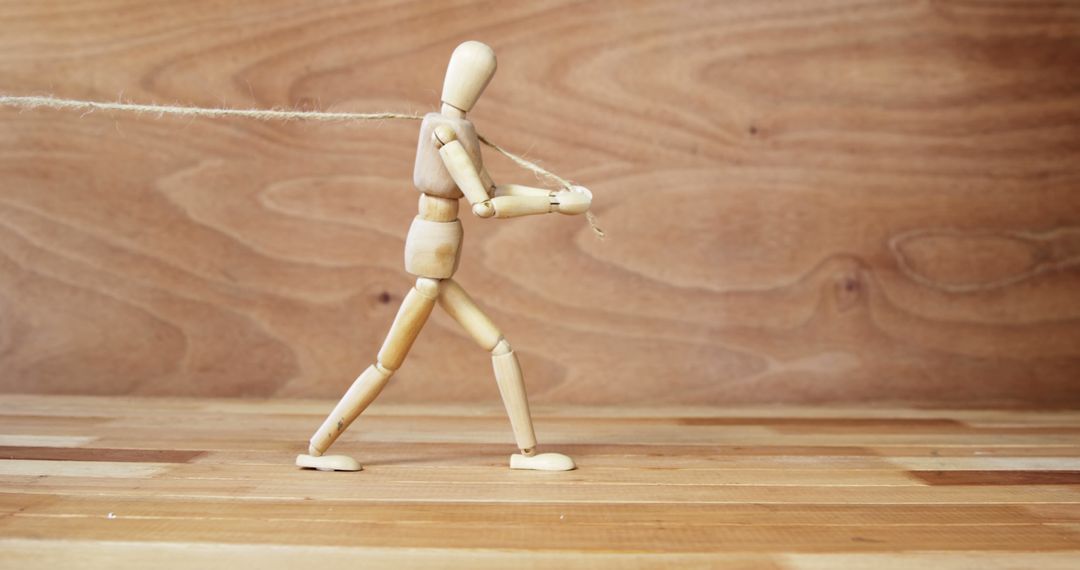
(465, 311)
(512, 389)
(410, 318)
(363, 391)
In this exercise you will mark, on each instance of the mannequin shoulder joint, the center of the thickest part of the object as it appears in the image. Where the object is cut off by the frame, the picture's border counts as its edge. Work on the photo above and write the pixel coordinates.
(442, 135)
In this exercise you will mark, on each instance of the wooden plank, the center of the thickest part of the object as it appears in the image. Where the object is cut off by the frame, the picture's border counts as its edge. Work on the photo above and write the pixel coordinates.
(597, 513)
(533, 490)
(99, 454)
(553, 536)
(90, 469)
(371, 432)
(936, 560)
(121, 555)
(1055, 513)
(1038, 464)
(44, 440)
(99, 408)
(493, 474)
(998, 477)
(130, 430)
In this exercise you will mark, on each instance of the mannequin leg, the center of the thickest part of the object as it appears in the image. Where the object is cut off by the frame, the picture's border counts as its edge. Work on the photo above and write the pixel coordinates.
(465, 311)
(410, 319)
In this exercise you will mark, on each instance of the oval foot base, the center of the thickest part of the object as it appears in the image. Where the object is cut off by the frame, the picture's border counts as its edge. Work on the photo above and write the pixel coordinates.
(328, 462)
(542, 462)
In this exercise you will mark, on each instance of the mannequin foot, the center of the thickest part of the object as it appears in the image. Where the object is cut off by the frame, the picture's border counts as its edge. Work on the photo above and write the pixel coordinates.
(328, 462)
(542, 462)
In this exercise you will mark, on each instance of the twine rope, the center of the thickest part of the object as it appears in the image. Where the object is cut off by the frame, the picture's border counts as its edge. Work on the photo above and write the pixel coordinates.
(282, 115)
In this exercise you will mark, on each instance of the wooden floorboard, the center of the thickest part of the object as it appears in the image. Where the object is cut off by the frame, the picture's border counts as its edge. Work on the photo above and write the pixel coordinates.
(118, 483)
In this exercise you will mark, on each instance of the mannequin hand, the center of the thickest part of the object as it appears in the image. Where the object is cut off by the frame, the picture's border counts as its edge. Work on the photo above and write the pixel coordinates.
(574, 201)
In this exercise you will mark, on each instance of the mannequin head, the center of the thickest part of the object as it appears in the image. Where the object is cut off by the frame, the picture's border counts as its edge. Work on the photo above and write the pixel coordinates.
(471, 67)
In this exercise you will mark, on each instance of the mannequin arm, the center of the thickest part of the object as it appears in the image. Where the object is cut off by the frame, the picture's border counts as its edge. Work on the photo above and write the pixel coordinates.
(460, 166)
(520, 190)
(509, 201)
(513, 200)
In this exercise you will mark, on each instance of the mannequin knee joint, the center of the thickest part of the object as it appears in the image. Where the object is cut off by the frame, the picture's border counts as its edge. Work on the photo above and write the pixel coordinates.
(503, 347)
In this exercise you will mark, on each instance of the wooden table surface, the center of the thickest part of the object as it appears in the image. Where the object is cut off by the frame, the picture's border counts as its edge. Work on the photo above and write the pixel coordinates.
(123, 482)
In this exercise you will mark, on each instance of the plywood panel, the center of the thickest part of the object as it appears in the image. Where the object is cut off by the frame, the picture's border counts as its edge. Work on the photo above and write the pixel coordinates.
(806, 201)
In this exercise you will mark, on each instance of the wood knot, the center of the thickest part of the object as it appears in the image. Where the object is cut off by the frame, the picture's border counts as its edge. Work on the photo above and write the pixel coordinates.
(848, 289)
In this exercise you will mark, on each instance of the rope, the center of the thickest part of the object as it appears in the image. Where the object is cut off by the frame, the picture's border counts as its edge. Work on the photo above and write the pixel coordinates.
(49, 102)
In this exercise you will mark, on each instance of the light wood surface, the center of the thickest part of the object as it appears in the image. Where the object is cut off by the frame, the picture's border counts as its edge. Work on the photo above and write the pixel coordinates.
(462, 308)
(438, 209)
(472, 65)
(517, 206)
(429, 172)
(433, 249)
(411, 317)
(465, 172)
(328, 462)
(131, 483)
(511, 384)
(360, 395)
(806, 201)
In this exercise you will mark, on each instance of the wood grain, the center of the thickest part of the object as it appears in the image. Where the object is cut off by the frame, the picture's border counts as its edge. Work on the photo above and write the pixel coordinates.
(833, 201)
(436, 490)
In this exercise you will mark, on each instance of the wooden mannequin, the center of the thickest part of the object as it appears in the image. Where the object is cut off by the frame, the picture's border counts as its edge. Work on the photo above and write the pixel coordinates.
(449, 167)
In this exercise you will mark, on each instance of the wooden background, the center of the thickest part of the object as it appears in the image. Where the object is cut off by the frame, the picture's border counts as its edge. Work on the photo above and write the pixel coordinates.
(812, 201)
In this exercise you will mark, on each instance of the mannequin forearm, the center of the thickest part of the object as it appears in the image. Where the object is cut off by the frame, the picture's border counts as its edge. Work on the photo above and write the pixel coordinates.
(464, 173)
(511, 200)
